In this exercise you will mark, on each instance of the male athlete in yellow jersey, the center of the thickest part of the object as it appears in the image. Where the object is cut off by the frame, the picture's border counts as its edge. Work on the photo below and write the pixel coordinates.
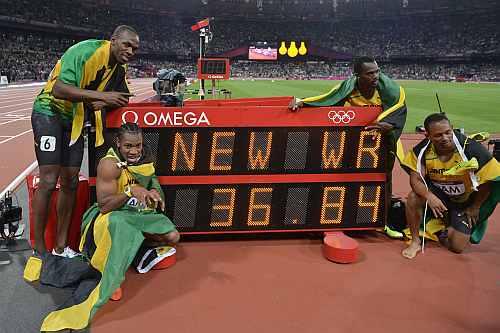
(127, 221)
(458, 181)
(89, 76)
(370, 87)
(367, 87)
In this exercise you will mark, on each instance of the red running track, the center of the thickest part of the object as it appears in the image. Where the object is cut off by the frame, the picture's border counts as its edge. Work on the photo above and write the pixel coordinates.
(16, 135)
(286, 285)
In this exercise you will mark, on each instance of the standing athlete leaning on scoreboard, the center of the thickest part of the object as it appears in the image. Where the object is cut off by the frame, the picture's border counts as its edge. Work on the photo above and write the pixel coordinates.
(90, 74)
(369, 87)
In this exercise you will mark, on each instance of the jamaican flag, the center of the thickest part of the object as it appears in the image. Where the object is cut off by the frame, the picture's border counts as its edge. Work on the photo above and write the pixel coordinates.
(109, 244)
(393, 106)
(472, 163)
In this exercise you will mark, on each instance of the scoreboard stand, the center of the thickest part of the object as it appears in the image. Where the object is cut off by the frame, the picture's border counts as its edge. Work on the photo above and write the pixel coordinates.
(213, 69)
(250, 166)
(209, 68)
(340, 248)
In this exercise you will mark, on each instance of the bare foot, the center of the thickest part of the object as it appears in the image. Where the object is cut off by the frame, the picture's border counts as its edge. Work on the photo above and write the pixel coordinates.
(411, 251)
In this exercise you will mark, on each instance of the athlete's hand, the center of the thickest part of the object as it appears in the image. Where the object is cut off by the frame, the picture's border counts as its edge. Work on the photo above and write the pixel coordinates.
(295, 104)
(436, 205)
(140, 193)
(115, 99)
(97, 105)
(379, 126)
(155, 200)
(472, 213)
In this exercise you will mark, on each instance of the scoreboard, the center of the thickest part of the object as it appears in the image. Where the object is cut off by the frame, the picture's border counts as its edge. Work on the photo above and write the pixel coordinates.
(213, 68)
(251, 165)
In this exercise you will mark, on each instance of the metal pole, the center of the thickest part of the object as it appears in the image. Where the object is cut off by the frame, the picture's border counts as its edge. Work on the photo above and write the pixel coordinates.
(202, 54)
(439, 104)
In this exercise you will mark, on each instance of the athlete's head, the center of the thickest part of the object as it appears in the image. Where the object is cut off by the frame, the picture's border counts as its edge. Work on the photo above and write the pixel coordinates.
(129, 142)
(124, 43)
(367, 71)
(439, 130)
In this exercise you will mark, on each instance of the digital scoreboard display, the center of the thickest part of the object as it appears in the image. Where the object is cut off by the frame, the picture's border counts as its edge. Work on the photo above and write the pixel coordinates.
(213, 69)
(251, 165)
(265, 53)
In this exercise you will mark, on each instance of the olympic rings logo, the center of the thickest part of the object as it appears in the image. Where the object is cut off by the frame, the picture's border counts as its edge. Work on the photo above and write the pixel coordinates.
(341, 116)
(135, 117)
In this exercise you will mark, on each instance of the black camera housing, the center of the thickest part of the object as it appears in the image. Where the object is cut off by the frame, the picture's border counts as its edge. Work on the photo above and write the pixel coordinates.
(496, 148)
(9, 215)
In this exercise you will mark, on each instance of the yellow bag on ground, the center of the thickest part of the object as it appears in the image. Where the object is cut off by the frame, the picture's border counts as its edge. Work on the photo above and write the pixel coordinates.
(32, 269)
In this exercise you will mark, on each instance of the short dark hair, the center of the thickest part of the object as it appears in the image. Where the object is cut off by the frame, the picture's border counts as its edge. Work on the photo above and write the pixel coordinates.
(129, 128)
(122, 28)
(358, 63)
(434, 118)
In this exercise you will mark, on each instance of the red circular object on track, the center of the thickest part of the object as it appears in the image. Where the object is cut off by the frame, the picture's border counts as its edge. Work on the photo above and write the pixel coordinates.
(166, 263)
(340, 248)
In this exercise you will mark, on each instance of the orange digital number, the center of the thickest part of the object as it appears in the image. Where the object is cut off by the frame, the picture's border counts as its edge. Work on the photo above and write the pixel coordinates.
(257, 161)
(254, 206)
(363, 149)
(333, 156)
(216, 150)
(189, 159)
(219, 195)
(363, 202)
(338, 192)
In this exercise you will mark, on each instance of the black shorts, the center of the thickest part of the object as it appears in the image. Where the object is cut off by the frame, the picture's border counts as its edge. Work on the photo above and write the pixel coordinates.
(52, 137)
(455, 216)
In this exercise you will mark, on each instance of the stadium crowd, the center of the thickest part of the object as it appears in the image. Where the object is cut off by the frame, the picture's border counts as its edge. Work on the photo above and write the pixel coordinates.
(436, 47)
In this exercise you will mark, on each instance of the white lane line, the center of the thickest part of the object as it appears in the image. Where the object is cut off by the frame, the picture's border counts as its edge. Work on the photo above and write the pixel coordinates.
(16, 136)
(13, 116)
(140, 99)
(20, 98)
(12, 111)
(19, 179)
(14, 120)
(145, 93)
(147, 89)
(16, 104)
(25, 85)
(10, 94)
(141, 90)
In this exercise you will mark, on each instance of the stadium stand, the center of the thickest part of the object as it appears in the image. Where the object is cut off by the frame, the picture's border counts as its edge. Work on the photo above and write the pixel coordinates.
(434, 40)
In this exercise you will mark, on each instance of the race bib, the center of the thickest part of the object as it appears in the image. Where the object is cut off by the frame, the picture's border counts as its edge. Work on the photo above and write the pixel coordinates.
(48, 143)
(451, 189)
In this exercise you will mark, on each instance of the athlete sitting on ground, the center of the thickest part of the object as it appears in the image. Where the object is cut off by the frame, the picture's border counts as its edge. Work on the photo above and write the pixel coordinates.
(458, 180)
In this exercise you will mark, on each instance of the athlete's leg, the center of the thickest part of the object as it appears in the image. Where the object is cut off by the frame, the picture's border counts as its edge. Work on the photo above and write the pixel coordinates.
(65, 204)
(171, 239)
(72, 159)
(459, 231)
(414, 210)
(47, 133)
(41, 200)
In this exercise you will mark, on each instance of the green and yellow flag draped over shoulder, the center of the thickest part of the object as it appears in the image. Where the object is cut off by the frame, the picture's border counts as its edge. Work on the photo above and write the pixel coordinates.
(393, 100)
(84, 65)
(110, 242)
(476, 165)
